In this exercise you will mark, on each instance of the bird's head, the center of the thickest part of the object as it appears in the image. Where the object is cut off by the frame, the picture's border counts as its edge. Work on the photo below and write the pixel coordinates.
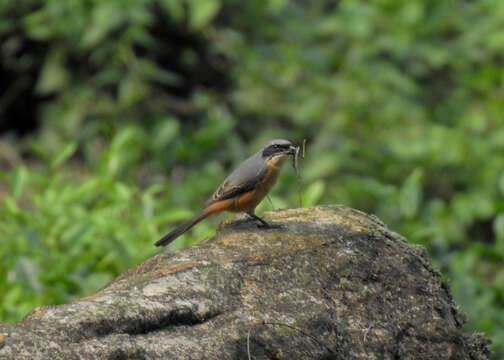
(276, 151)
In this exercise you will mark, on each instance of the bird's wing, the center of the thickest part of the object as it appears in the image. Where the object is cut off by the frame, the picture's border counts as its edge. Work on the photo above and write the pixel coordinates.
(246, 177)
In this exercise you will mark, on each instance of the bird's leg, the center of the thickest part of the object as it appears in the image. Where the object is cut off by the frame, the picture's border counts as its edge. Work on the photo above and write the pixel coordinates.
(262, 221)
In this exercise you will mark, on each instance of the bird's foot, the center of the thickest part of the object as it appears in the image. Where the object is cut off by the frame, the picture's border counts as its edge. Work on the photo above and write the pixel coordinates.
(269, 226)
(262, 223)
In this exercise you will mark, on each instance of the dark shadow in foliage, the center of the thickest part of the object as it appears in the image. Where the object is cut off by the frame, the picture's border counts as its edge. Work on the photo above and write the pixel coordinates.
(186, 54)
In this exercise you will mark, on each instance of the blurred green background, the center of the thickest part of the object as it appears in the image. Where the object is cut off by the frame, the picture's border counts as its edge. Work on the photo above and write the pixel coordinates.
(118, 118)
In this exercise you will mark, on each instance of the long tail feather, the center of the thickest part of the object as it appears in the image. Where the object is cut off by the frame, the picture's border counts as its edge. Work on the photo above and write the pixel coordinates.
(182, 228)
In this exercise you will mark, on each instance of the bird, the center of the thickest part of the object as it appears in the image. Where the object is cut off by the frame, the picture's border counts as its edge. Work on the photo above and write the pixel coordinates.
(244, 188)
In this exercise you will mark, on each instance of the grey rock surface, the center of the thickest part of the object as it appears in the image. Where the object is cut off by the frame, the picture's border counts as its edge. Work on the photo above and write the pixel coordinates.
(329, 283)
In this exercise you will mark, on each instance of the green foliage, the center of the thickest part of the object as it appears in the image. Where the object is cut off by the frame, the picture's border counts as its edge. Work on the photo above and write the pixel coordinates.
(148, 104)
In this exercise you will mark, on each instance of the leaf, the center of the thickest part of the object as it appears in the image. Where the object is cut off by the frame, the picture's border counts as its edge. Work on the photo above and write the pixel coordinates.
(175, 9)
(165, 132)
(132, 89)
(53, 76)
(125, 137)
(410, 194)
(155, 73)
(275, 6)
(498, 227)
(26, 270)
(64, 154)
(11, 206)
(313, 193)
(38, 25)
(105, 17)
(202, 12)
(18, 181)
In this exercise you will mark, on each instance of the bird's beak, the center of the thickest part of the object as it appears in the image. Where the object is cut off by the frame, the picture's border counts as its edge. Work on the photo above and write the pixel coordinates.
(292, 150)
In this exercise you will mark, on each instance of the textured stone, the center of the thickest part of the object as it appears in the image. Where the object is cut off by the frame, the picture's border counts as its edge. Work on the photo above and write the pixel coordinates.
(329, 283)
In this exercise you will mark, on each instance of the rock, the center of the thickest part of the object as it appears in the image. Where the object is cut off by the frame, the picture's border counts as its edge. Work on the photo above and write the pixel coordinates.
(329, 283)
